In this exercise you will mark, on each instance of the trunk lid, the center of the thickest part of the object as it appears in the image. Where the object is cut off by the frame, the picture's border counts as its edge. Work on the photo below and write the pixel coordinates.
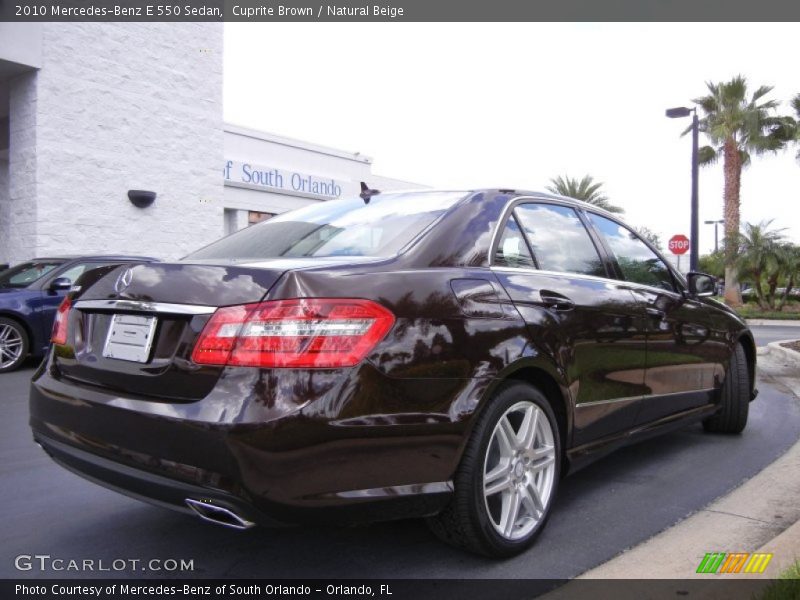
(132, 331)
(161, 308)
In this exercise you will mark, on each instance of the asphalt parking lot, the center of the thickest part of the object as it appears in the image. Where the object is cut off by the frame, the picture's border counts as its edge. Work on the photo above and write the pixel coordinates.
(612, 505)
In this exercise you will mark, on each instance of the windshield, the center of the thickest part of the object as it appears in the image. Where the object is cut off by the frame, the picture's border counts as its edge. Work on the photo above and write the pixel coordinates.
(24, 274)
(347, 227)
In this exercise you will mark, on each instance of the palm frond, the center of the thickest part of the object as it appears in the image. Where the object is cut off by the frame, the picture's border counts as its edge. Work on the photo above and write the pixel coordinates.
(762, 91)
(706, 155)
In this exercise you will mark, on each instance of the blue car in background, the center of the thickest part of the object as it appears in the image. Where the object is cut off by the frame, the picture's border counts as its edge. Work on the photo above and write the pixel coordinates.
(30, 293)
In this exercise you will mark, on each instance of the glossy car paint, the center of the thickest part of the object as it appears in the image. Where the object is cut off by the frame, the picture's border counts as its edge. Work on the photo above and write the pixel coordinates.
(383, 439)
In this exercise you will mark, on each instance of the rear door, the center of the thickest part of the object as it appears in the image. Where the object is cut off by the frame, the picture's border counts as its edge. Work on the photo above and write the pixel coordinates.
(592, 326)
(685, 351)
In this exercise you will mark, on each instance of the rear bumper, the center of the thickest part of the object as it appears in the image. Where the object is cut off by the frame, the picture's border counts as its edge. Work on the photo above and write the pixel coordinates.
(286, 462)
(148, 487)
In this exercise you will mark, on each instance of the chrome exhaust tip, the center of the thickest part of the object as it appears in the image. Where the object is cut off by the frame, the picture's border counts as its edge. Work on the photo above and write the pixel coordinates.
(208, 511)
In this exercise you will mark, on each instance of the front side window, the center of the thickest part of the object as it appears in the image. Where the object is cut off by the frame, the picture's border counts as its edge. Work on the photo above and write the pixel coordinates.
(560, 241)
(348, 227)
(636, 260)
(25, 274)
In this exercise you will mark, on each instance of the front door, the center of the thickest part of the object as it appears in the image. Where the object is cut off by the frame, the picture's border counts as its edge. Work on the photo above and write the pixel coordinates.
(685, 352)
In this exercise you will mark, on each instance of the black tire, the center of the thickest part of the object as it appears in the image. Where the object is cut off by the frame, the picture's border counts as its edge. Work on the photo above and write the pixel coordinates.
(465, 522)
(734, 397)
(19, 332)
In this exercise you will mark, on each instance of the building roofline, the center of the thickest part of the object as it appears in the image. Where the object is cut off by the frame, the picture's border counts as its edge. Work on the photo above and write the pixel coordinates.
(295, 143)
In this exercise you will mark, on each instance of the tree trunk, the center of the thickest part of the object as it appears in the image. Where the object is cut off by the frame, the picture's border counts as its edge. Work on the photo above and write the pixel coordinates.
(786, 292)
(759, 290)
(772, 286)
(732, 167)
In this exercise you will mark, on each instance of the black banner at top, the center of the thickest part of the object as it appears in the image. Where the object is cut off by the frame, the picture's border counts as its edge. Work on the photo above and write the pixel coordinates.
(399, 10)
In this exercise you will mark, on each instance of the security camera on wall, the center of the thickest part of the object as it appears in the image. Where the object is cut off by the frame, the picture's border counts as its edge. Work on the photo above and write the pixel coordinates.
(141, 198)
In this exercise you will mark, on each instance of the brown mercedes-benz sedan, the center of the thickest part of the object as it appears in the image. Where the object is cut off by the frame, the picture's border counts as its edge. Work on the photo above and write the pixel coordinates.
(448, 355)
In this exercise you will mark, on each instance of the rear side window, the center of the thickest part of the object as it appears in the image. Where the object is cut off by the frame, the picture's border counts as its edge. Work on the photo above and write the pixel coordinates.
(636, 260)
(512, 250)
(559, 240)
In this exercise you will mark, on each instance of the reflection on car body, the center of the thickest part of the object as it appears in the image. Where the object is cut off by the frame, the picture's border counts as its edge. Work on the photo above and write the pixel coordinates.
(448, 355)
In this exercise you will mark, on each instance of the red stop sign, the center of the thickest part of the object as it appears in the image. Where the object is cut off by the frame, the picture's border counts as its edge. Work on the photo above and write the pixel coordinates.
(679, 244)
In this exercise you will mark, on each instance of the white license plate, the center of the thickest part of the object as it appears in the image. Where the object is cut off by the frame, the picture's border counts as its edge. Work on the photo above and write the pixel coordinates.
(130, 337)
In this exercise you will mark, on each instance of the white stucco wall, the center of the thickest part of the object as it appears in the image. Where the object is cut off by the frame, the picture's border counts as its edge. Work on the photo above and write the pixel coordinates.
(4, 202)
(19, 215)
(119, 106)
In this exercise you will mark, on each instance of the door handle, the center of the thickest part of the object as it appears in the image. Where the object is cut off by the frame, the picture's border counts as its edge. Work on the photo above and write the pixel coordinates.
(555, 300)
(655, 312)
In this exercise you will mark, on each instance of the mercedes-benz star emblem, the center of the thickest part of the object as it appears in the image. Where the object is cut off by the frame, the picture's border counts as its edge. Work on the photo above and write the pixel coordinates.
(123, 281)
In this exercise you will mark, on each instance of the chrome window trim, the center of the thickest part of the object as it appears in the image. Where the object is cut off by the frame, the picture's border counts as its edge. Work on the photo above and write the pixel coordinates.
(144, 306)
(619, 283)
(576, 204)
(534, 271)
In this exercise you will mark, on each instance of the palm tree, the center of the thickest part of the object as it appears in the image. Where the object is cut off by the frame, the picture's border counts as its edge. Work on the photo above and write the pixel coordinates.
(761, 260)
(586, 189)
(738, 125)
(790, 256)
(794, 125)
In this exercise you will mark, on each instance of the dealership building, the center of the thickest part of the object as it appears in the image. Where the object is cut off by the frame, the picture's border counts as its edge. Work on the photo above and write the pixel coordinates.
(92, 113)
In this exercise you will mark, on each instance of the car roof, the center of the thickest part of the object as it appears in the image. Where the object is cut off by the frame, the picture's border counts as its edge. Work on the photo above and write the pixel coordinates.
(71, 257)
(515, 194)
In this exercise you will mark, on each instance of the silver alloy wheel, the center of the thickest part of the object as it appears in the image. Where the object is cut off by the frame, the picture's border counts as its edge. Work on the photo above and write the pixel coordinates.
(10, 345)
(519, 470)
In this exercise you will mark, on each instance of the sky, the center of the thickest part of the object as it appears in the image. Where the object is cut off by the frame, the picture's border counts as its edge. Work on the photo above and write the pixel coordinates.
(512, 105)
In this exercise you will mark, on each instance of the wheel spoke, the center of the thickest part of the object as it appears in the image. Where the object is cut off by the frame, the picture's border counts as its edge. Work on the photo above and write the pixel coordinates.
(532, 494)
(497, 480)
(508, 519)
(506, 437)
(4, 332)
(527, 431)
(543, 463)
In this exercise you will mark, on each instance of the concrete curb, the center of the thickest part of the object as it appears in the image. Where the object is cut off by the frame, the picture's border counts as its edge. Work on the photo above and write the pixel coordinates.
(773, 322)
(753, 516)
(780, 352)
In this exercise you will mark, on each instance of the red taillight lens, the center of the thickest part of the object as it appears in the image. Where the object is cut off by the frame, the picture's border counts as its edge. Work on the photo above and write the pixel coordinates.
(60, 324)
(306, 332)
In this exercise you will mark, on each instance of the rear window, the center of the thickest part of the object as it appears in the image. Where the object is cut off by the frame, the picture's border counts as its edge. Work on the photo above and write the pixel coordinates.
(346, 227)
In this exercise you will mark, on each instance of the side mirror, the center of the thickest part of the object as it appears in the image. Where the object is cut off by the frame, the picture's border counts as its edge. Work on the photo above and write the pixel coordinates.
(60, 284)
(701, 284)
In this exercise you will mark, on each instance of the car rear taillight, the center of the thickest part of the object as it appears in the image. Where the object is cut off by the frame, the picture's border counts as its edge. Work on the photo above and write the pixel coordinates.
(302, 333)
(59, 335)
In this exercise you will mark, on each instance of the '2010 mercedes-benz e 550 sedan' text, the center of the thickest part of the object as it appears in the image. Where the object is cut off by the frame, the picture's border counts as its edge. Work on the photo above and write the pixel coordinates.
(447, 355)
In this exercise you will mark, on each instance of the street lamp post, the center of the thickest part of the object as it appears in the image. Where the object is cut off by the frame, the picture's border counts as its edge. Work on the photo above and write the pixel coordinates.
(676, 113)
(716, 224)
